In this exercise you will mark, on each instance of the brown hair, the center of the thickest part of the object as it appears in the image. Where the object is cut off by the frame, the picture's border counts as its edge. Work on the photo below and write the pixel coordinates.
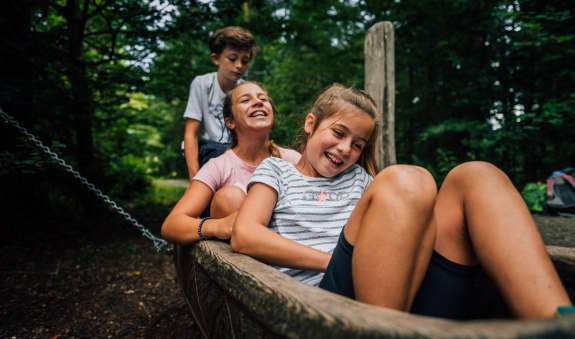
(228, 115)
(333, 101)
(235, 37)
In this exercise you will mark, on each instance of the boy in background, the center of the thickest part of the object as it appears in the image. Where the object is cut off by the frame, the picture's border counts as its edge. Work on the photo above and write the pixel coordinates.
(206, 135)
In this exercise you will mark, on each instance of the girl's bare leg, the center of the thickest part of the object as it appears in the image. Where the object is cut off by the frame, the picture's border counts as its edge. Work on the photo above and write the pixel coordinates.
(226, 201)
(481, 218)
(393, 233)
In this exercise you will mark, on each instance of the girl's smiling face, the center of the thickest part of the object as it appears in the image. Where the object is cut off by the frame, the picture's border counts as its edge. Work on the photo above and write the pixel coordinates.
(251, 109)
(336, 143)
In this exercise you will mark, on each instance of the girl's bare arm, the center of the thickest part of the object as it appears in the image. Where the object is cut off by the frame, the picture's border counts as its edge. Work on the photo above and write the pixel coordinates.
(251, 235)
(181, 225)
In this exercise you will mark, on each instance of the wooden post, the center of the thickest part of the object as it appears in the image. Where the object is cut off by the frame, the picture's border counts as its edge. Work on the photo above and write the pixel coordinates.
(380, 84)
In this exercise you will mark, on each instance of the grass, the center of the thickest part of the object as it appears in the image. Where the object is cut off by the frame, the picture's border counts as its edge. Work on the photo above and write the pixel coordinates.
(165, 194)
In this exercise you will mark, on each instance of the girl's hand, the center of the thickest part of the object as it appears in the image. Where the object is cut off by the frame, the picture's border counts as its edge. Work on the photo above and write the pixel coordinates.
(220, 228)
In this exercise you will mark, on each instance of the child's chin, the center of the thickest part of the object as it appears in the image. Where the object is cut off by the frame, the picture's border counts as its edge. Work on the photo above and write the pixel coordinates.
(332, 174)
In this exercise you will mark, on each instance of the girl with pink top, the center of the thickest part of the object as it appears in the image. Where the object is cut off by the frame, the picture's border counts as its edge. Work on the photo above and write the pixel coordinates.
(221, 183)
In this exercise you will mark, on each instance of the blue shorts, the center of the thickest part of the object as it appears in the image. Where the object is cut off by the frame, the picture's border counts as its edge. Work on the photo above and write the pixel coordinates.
(445, 292)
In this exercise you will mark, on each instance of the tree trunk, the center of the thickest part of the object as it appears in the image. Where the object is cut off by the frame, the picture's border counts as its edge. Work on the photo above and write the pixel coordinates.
(81, 106)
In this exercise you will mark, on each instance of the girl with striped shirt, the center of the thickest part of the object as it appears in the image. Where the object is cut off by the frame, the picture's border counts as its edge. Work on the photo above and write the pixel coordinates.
(391, 241)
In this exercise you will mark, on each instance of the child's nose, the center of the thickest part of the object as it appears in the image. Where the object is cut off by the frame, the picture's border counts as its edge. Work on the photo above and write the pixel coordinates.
(344, 147)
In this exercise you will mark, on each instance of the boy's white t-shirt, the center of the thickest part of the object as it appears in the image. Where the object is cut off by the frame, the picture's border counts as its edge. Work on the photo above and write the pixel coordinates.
(205, 104)
(310, 211)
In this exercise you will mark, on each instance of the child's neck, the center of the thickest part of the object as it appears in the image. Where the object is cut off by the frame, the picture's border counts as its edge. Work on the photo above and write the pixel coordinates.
(225, 86)
(306, 169)
(252, 152)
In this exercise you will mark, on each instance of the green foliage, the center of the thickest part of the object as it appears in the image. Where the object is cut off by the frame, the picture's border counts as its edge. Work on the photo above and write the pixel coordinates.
(535, 195)
(107, 84)
(134, 180)
(165, 195)
(539, 70)
(320, 43)
(23, 158)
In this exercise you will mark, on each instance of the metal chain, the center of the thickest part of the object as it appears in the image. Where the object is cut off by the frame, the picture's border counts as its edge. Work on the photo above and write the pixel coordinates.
(160, 244)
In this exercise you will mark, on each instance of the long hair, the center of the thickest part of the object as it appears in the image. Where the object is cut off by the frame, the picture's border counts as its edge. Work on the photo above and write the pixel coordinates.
(333, 100)
(229, 115)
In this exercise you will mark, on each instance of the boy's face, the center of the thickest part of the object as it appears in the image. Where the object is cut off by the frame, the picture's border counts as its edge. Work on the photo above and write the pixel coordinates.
(232, 64)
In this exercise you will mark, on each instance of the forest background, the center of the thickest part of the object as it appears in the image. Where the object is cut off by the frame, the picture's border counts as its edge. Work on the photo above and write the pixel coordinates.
(104, 83)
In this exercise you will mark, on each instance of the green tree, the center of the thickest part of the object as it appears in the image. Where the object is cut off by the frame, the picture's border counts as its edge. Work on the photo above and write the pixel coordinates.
(86, 56)
(534, 105)
(317, 44)
(488, 80)
(71, 65)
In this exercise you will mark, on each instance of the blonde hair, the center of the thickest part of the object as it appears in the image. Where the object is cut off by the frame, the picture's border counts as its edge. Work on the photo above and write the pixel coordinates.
(229, 115)
(333, 101)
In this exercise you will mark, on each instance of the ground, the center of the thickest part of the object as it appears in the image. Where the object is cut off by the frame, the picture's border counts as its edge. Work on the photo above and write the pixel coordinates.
(120, 288)
(109, 282)
(82, 276)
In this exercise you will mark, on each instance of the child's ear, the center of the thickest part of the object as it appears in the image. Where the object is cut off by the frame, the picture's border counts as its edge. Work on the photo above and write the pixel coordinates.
(309, 123)
(230, 124)
(215, 58)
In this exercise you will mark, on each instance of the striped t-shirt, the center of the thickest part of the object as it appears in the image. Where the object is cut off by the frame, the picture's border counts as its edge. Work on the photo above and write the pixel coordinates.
(311, 211)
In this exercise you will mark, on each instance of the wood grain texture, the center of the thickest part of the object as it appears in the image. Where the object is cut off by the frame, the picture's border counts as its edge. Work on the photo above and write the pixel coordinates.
(380, 84)
(232, 295)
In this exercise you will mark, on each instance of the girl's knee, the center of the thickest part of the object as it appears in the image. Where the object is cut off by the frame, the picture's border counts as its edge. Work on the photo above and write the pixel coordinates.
(406, 182)
(226, 201)
(476, 172)
(404, 196)
(229, 193)
(475, 167)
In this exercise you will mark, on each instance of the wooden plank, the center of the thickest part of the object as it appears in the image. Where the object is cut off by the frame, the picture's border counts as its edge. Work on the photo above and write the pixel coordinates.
(380, 84)
(232, 295)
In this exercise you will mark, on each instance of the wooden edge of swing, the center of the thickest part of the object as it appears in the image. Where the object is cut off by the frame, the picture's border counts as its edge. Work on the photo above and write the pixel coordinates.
(233, 295)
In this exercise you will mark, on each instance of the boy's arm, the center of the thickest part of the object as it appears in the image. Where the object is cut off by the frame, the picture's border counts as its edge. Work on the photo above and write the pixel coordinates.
(191, 130)
(251, 236)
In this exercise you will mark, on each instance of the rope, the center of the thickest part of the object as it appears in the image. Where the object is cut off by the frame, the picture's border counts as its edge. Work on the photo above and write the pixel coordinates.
(160, 244)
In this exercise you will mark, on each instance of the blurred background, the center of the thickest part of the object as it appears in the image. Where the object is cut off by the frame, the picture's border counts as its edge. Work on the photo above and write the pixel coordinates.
(104, 85)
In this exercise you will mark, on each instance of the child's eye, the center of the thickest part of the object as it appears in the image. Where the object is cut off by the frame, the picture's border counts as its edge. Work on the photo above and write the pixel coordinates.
(245, 61)
(358, 147)
(338, 133)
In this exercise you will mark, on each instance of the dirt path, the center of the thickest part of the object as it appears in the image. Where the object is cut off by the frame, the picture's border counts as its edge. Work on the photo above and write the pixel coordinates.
(90, 283)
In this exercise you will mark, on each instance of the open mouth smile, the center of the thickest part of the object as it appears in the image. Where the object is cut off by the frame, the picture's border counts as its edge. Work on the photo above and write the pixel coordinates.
(258, 114)
(333, 159)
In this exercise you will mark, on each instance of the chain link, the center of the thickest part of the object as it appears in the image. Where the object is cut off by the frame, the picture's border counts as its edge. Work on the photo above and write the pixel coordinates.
(160, 244)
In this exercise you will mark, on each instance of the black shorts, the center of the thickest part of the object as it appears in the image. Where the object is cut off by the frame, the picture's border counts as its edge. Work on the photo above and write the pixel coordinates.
(210, 149)
(445, 291)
